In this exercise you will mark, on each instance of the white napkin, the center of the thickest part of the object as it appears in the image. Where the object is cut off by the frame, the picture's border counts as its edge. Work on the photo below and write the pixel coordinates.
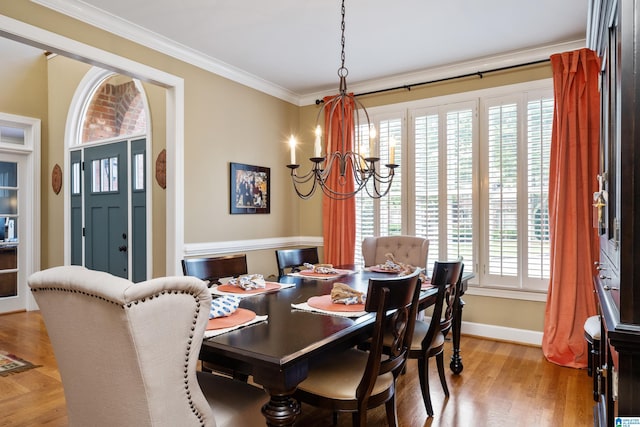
(249, 282)
(349, 300)
(321, 269)
(390, 266)
(223, 306)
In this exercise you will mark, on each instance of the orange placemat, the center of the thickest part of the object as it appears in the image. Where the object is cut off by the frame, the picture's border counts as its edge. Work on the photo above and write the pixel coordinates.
(383, 270)
(310, 273)
(238, 317)
(324, 302)
(426, 284)
(270, 286)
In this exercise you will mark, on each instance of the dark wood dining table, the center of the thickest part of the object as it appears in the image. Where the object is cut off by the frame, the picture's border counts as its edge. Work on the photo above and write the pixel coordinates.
(278, 352)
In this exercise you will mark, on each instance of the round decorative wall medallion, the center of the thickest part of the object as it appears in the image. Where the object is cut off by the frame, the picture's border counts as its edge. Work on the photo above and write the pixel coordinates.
(56, 179)
(161, 169)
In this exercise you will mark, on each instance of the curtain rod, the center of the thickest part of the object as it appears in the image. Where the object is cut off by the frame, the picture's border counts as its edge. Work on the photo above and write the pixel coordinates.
(461, 76)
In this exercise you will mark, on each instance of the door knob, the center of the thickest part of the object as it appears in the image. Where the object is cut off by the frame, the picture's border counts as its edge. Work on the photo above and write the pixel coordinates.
(122, 248)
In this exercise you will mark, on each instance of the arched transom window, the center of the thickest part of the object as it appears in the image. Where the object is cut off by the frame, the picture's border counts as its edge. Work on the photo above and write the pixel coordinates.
(115, 110)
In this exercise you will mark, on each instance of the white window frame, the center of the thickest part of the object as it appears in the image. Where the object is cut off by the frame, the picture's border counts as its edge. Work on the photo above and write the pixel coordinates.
(481, 284)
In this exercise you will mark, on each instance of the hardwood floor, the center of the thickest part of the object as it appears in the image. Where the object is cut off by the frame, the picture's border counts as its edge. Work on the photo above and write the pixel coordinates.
(502, 384)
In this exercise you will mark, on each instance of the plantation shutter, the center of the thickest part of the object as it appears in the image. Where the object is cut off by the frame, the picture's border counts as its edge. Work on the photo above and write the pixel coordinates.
(502, 190)
(459, 186)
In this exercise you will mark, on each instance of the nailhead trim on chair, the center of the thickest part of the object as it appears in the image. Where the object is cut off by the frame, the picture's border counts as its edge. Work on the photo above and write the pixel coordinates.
(195, 411)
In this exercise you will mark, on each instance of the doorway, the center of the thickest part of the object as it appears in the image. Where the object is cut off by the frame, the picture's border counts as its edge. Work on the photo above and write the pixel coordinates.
(108, 199)
(19, 210)
(108, 205)
(174, 126)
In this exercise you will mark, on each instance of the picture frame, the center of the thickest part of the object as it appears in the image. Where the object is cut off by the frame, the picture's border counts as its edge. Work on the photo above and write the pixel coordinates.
(249, 189)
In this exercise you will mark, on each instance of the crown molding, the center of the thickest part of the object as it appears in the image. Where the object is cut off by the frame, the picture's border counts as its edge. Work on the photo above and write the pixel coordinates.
(462, 68)
(113, 24)
(108, 22)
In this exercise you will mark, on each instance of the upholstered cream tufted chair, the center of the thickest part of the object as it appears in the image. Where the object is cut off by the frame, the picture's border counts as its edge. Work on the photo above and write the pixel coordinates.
(127, 353)
(406, 249)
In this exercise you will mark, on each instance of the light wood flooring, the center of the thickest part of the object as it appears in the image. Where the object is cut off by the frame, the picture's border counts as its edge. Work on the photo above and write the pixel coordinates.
(502, 384)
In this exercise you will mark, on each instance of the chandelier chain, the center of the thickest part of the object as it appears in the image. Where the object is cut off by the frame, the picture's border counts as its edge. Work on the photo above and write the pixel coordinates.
(342, 72)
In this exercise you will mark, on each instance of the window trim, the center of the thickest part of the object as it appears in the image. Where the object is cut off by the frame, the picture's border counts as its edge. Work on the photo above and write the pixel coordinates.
(409, 110)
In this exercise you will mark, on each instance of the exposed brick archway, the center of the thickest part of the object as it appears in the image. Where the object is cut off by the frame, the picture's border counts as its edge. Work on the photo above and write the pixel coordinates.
(116, 109)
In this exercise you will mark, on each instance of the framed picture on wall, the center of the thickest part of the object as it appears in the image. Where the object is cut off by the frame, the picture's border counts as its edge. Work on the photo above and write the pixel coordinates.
(249, 189)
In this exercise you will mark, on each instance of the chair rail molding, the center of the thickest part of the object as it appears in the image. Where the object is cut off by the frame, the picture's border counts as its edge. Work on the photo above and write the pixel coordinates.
(224, 247)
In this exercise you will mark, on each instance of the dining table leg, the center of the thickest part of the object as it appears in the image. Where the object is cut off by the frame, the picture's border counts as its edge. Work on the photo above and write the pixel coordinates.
(456, 359)
(282, 409)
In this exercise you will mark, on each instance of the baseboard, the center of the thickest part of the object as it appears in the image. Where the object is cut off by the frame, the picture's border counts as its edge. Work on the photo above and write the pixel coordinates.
(502, 333)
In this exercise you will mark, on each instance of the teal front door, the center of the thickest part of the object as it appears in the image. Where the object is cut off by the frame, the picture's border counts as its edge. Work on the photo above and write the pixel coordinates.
(106, 209)
(109, 208)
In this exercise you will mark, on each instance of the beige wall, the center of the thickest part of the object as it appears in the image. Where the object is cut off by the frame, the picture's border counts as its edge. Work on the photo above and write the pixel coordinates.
(62, 79)
(23, 73)
(226, 122)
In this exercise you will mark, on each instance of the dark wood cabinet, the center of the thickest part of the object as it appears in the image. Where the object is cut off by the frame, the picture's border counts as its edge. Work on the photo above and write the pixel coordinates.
(614, 33)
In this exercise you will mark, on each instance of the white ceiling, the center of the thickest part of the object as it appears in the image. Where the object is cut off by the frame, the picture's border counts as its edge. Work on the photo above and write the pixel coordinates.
(294, 45)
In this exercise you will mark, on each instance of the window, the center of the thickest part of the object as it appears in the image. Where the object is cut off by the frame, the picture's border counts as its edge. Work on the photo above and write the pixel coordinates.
(473, 179)
(138, 172)
(383, 216)
(501, 195)
(539, 125)
(105, 175)
(458, 197)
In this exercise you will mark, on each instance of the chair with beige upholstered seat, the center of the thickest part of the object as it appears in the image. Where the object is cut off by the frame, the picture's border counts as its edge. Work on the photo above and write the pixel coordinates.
(127, 353)
(428, 337)
(406, 249)
(356, 380)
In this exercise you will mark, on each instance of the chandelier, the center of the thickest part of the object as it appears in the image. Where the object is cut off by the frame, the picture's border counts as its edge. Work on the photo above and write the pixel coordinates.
(357, 165)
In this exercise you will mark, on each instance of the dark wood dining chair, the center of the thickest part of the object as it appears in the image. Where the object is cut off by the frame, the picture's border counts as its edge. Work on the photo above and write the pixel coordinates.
(293, 259)
(429, 336)
(212, 269)
(215, 268)
(355, 380)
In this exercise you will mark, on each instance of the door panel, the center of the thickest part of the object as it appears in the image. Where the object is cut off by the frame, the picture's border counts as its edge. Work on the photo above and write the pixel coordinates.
(139, 210)
(76, 207)
(13, 288)
(106, 212)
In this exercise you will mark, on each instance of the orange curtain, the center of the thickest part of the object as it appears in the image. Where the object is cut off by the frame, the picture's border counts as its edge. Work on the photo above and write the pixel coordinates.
(339, 216)
(572, 182)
